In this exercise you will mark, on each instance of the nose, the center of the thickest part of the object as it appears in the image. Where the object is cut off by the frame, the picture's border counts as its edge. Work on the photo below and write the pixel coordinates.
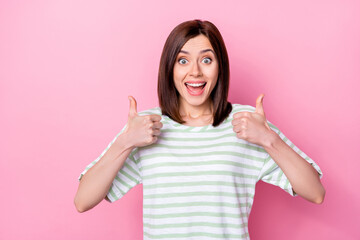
(195, 70)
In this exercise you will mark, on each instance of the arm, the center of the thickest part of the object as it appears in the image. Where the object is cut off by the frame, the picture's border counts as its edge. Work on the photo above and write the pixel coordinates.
(95, 184)
(303, 177)
(253, 128)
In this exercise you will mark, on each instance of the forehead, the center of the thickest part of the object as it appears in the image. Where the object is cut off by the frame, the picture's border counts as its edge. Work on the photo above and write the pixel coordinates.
(197, 44)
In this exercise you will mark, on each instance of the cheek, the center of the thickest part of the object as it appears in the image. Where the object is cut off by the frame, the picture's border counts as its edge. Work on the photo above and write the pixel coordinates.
(178, 74)
(213, 76)
(177, 84)
(177, 80)
(212, 72)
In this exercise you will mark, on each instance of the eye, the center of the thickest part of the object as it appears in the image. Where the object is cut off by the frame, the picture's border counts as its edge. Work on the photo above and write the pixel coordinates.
(208, 60)
(182, 61)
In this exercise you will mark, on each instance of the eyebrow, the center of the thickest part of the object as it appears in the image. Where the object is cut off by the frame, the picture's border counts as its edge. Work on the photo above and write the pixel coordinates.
(202, 51)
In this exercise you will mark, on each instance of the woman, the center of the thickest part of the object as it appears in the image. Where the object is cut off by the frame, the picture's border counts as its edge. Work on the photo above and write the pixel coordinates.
(197, 155)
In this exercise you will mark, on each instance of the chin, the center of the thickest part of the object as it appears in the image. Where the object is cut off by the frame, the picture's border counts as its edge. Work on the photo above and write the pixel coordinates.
(196, 102)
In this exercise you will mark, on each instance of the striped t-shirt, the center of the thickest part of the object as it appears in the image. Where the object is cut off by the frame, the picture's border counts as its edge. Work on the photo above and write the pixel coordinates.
(198, 182)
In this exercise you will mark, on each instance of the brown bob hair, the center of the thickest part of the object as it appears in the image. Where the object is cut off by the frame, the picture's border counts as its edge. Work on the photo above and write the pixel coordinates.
(167, 93)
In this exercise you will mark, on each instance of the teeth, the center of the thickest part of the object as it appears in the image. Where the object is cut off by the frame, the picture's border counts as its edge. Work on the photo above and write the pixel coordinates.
(195, 84)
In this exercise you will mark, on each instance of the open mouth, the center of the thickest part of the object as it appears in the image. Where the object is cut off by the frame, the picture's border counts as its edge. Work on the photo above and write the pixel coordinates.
(195, 89)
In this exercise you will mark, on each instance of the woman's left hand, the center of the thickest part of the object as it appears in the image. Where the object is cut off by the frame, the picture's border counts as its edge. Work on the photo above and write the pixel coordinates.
(252, 126)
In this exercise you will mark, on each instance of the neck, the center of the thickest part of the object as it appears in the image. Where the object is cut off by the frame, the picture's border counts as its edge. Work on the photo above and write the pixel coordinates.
(194, 112)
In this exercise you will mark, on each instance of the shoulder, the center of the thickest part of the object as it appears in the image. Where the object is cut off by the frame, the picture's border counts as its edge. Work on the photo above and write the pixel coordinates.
(247, 108)
(236, 107)
(154, 110)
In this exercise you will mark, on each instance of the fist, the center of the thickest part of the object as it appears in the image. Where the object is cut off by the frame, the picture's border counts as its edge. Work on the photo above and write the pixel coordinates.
(252, 126)
(142, 130)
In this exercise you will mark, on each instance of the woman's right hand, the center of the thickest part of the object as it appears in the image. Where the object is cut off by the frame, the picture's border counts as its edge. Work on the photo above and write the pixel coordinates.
(141, 130)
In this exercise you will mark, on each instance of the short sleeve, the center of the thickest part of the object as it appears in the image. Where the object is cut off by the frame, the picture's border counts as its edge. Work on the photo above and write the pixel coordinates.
(272, 173)
(127, 177)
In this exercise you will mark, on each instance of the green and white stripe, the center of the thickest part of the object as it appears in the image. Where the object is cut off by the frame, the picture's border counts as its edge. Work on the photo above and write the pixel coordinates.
(198, 182)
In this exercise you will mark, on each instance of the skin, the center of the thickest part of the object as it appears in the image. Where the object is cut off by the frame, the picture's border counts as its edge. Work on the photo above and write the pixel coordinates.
(94, 185)
(252, 127)
(196, 111)
(194, 65)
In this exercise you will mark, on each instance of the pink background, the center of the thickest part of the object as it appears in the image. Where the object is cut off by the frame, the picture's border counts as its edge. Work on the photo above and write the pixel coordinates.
(67, 67)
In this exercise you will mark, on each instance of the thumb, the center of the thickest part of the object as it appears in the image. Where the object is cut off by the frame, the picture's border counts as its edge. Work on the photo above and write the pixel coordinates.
(259, 105)
(132, 110)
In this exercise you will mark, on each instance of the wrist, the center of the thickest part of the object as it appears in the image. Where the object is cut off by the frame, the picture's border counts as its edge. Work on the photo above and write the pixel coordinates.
(123, 142)
(270, 140)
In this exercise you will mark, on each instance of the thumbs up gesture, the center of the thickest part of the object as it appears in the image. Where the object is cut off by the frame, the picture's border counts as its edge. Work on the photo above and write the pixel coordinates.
(141, 130)
(252, 126)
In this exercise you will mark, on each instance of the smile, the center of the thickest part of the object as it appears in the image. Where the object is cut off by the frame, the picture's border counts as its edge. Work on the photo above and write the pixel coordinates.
(195, 88)
(196, 84)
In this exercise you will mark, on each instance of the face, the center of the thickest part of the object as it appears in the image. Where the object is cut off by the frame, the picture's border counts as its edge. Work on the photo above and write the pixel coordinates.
(196, 72)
